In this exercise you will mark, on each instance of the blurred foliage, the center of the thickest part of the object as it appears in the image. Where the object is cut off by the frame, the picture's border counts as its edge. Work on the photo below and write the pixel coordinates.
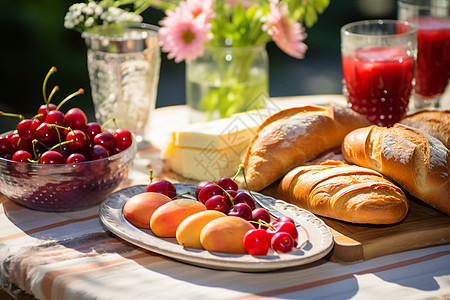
(34, 39)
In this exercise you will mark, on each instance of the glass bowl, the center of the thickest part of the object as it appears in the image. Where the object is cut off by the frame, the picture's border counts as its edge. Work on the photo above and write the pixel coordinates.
(64, 187)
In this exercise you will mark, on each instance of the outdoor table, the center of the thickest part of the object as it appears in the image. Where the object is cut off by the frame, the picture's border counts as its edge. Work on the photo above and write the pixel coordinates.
(71, 255)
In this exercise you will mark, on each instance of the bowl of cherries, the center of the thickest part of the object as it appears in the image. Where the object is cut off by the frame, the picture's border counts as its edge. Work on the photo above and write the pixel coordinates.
(56, 161)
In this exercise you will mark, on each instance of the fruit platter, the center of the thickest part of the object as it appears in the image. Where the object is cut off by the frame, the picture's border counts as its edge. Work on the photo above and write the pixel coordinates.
(314, 239)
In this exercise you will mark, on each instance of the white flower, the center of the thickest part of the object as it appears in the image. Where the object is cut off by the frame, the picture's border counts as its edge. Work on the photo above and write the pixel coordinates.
(89, 22)
(98, 11)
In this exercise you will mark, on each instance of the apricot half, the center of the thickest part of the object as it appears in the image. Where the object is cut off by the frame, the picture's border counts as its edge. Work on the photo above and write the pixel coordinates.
(188, 233)
(225, 234)
(166, 219)
(139, 208)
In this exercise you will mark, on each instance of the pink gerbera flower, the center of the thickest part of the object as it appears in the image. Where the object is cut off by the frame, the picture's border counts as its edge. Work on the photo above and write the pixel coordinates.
(184, 36)
(288, 35)
(198, 7)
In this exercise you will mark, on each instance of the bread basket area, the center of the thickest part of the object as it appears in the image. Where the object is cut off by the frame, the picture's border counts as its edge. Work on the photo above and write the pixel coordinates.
(411, 223)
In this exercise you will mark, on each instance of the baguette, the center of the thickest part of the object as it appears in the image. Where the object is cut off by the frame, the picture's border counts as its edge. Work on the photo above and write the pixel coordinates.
(417, 161)
(434, 122)
(294, 136)
(345, 192)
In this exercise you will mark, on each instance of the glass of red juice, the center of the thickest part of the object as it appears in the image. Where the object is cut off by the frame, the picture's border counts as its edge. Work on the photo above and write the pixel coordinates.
(378, 58)
(432, 20)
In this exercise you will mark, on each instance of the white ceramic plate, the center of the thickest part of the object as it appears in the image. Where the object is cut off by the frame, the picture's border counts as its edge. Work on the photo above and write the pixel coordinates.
(315, 238)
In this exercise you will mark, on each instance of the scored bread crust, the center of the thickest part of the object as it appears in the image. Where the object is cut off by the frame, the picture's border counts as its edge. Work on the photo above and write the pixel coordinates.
(415, 160)
(434, 122)
(294, 136)
(344, 192)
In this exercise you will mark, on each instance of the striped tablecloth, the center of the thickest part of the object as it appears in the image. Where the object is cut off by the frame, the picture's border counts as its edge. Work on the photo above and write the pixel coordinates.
(72, 256)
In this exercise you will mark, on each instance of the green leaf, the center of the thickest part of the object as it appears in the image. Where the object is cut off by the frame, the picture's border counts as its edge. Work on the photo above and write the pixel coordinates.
(310, 16)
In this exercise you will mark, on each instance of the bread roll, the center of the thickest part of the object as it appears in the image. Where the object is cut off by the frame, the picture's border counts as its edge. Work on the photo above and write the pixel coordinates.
(434, 122)
(293, 136)
(417, 161)
(345, 192)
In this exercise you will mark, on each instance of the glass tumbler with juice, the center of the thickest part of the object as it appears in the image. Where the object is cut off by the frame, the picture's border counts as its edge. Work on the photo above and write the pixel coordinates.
(378, 69)
(433, 47)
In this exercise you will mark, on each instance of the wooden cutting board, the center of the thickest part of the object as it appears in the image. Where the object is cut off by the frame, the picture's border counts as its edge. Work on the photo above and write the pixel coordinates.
(423, 227)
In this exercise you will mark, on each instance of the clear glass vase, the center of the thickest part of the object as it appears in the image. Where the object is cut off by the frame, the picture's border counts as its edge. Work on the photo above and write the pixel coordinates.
(225, 81)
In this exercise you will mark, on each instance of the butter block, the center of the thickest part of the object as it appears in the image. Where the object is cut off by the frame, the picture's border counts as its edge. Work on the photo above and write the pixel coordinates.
(212, 150)
(221, 133)
(205, 164)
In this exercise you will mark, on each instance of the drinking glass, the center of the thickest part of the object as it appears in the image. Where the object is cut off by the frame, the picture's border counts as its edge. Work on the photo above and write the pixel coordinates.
(124, 74)
(378, 68)
(432, 20)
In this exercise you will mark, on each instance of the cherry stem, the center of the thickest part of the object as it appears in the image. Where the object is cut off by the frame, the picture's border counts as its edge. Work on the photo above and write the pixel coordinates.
(229, 196)
(50, 72)
(34, 142)
(54, 90)
(109, 121)
(37, 116)
(237, 173)
(151, 175)
(57, 131)
(12, 115)
(242, 168)
(179, 195)
(260, 223)
(79, 92)
(60, 144)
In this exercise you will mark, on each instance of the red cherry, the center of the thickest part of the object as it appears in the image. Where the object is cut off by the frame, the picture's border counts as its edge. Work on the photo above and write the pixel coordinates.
(282, 242)
(27, 128)
(92, 129)
(208, 191)
(201, 185)
(256, 242)
(14, 139)
(55, 117)
(97, 152)
(47, 134)
(24, 145)
(259, 214)
(43, 110)
(241, 210)
(64, 150)
(287, 227)
(79, 140)
(75, 158)
(105, 139)
(219, 203)
(124, 138)
(285, 219)
(52, 157)
(244, 197)
(162, 186)
(21, 156)
(76, 119)
(227, 184)
(5, 146)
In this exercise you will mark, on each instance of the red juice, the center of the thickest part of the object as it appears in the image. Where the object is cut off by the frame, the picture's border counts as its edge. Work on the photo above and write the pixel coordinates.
(433, 55)
(378, 83)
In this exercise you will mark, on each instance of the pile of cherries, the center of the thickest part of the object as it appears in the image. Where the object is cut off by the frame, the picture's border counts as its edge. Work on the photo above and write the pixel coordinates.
(281, 235)
(52, 137)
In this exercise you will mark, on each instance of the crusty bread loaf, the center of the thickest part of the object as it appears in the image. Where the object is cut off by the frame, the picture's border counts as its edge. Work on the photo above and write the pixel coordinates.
(345, 192)
(434, 122)
(415, 160)
(293, 136)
